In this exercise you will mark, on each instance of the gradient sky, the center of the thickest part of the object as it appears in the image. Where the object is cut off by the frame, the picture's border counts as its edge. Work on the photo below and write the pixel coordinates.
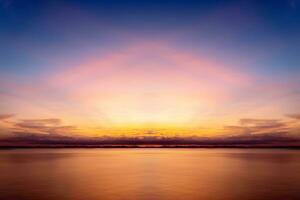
(159, 68)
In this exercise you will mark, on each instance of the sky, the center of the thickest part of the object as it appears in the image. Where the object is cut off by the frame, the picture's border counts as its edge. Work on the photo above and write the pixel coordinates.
(149, 70)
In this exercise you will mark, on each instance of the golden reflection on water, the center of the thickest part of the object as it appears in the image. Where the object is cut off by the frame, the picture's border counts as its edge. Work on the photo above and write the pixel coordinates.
(208, 174)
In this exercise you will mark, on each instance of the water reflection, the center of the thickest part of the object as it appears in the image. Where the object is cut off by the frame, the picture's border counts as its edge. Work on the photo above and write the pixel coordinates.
(212, 174)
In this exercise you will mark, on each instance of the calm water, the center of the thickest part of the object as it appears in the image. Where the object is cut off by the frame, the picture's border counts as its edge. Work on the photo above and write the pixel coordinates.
(204, 174)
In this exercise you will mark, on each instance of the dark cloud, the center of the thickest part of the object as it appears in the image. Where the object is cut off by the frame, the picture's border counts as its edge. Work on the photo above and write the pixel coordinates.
(45, 126)
(4, 117)
(294, 116)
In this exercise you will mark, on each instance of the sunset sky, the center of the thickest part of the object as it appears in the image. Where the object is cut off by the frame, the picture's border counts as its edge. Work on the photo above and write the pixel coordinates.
(149, 69)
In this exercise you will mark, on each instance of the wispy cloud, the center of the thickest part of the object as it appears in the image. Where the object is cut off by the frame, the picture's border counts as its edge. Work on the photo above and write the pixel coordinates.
(50, 126)
(263, 127)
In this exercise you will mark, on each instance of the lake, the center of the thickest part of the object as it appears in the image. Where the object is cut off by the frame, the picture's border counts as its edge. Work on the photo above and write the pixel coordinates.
(149, 173)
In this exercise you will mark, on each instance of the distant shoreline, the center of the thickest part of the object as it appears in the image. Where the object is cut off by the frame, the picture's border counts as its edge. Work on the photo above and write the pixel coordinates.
(148, 146)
